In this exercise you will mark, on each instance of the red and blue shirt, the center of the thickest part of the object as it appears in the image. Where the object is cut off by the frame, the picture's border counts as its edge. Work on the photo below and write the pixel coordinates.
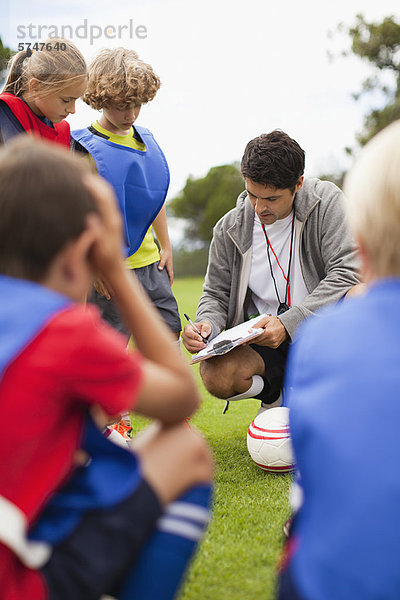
(57, 359)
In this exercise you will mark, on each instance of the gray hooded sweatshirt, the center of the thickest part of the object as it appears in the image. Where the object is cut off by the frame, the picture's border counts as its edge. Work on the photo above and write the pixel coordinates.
(328, 258)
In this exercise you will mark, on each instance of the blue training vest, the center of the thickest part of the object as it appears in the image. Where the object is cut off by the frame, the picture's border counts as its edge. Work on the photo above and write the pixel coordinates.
(140, 179)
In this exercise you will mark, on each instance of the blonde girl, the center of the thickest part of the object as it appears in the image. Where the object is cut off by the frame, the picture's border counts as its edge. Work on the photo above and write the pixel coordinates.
(41, 90)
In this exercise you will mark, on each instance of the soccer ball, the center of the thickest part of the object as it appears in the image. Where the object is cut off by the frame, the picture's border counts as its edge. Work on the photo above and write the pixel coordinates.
(268, 441)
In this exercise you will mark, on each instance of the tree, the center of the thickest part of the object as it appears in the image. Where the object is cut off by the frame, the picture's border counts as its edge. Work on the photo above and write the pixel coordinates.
(203, 201)
(379, 44)
(337, 178)
(5, 55)
(190, 263)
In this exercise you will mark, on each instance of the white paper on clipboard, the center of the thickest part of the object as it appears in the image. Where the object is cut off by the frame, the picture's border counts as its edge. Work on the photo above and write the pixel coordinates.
(236, 335)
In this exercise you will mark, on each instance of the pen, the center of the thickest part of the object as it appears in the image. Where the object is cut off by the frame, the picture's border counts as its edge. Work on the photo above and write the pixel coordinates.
(195, 328)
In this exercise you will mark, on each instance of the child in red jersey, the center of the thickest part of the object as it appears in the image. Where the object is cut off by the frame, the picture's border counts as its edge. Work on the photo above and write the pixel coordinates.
(65, 532)
(41, 90)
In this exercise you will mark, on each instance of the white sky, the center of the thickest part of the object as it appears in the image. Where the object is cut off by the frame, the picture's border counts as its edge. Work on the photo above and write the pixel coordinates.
(230, 70)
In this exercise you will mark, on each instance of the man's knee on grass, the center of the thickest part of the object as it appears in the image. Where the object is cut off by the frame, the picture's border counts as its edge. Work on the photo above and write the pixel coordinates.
(232, 374)
(218, 377)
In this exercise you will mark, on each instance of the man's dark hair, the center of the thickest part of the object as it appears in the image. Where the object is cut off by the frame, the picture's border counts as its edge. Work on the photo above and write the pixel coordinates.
(43, 205)
(273, 159)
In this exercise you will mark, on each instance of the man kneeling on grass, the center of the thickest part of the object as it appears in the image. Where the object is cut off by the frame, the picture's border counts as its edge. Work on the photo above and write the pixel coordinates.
(107, 526)
(285, 251)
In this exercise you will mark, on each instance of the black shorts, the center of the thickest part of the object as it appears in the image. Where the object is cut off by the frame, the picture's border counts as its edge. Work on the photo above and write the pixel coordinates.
(97, 556)
(275, 362)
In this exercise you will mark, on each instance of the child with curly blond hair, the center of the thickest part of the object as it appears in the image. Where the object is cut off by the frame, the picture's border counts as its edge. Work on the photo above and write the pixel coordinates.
(131, 160)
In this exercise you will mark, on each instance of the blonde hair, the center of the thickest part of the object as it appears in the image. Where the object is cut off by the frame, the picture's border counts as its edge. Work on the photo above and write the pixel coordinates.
(118, 77)
(372, 188)
(56, 66)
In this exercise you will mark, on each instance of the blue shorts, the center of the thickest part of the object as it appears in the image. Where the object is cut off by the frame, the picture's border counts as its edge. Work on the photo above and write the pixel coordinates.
(99, 554)
(157, 285)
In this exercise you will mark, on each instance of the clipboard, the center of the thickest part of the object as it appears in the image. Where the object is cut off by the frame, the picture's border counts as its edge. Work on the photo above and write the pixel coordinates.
(229, 339)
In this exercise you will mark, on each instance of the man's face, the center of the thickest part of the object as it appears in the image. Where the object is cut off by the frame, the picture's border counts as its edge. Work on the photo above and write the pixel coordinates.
(270, 203)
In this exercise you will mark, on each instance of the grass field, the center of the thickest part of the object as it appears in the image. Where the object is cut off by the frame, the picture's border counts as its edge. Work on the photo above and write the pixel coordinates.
(238, 557)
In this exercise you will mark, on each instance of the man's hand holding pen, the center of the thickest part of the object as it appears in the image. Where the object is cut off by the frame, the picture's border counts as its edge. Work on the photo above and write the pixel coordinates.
(195, 335)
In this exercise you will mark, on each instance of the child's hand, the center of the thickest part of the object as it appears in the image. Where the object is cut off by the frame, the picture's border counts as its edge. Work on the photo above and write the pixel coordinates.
(106, 254)
(103, 288)
(166, 261)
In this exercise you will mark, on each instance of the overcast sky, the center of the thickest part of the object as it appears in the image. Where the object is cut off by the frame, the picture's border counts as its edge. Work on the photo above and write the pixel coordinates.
(230, 70)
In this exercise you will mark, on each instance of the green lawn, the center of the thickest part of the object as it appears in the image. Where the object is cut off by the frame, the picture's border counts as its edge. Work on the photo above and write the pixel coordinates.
(238, 556)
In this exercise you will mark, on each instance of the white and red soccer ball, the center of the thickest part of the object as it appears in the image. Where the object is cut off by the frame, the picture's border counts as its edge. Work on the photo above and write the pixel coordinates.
(268, 441)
